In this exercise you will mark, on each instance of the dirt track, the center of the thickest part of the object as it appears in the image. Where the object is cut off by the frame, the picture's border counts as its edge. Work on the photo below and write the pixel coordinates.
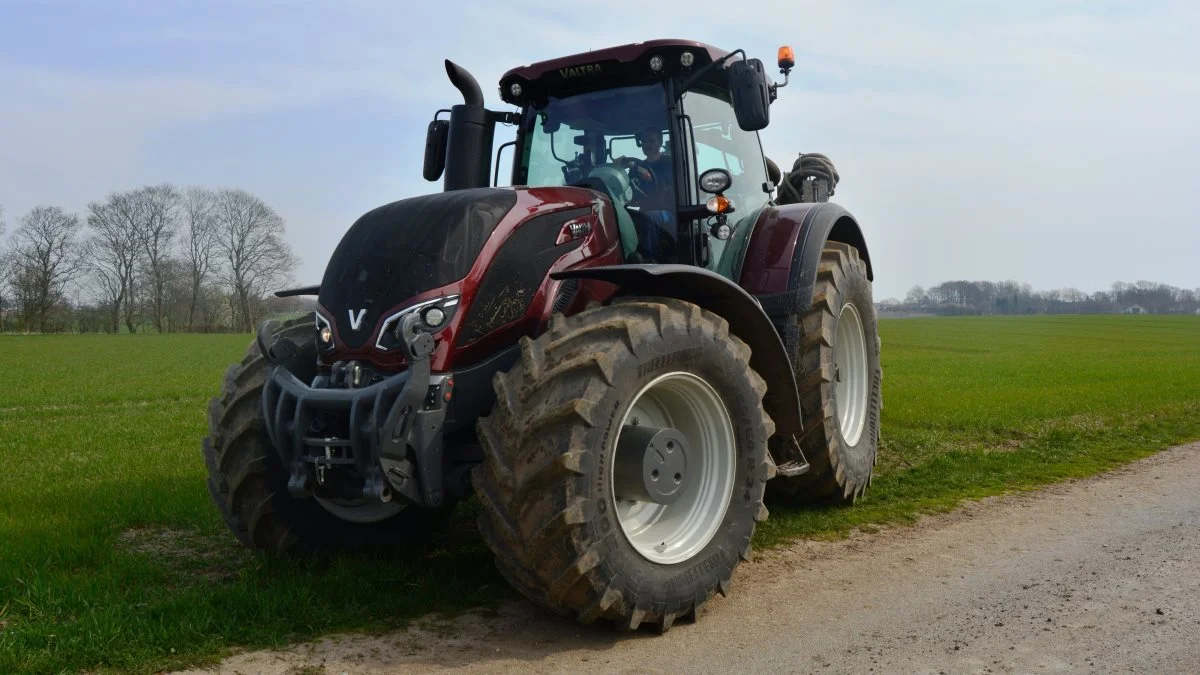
(1095, 575)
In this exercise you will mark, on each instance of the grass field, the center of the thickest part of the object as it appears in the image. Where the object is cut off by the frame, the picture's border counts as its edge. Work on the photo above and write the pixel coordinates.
(111, 557)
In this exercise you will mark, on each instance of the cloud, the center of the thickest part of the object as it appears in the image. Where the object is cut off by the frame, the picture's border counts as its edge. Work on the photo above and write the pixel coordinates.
(975, 140)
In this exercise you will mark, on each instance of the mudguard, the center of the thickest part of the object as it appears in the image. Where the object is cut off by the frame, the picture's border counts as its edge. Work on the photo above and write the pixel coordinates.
(780, 264)
(721, 296)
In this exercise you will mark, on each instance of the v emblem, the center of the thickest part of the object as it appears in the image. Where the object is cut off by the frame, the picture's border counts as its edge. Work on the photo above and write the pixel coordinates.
(356, 321)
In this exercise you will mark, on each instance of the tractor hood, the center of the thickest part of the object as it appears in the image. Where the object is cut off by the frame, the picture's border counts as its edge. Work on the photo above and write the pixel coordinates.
(401, 249)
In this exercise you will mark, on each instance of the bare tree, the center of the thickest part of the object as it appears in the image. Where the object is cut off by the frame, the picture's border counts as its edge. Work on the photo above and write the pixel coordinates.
(916, 296)
(1074, 295)
(46, 257)
(251, 241)
(209, 308)
(158, 209)
(177, 295)
(113, 252)
(5, 266)
(200, 213)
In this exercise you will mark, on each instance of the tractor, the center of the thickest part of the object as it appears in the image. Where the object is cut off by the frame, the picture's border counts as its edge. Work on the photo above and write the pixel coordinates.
(620, 355)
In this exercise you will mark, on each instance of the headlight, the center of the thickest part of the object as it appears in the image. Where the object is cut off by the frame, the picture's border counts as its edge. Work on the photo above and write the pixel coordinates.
(324, 332)
(435, 315)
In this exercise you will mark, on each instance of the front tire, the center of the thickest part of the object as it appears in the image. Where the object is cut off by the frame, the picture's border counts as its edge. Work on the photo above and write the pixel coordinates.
(557, 507)
(835, 349)
(248, 481)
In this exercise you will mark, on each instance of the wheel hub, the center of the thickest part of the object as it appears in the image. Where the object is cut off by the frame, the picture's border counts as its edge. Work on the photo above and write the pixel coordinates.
(851, 385)
(673, 468)
(662, 477)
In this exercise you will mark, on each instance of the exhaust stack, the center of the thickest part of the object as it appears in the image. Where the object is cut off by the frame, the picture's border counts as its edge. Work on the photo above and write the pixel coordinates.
(472, 126)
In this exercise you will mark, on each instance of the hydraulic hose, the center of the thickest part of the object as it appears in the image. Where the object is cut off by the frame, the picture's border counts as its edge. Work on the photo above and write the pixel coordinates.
(814, 168)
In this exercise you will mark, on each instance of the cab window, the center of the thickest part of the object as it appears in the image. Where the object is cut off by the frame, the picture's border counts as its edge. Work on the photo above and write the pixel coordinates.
(721, 143)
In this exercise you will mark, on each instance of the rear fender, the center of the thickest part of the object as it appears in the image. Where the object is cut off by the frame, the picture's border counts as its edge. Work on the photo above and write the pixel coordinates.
(721, 296)
(780, 265)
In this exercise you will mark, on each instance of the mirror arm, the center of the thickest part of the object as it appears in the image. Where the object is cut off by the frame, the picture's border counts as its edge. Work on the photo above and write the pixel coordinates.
(505, 117)
(695, 77)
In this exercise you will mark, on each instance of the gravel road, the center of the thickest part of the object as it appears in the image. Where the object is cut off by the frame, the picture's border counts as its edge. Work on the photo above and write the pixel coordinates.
(1095, 575)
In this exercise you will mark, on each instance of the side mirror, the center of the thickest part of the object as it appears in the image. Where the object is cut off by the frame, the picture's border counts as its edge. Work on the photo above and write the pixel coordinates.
(435, 149)
(751, 92)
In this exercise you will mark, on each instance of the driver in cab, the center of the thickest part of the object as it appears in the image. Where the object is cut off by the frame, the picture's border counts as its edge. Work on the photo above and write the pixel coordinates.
(654, 195)
(654, 172)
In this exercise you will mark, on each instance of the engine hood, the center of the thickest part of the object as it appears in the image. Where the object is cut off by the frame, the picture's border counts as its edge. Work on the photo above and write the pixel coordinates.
(406, 247)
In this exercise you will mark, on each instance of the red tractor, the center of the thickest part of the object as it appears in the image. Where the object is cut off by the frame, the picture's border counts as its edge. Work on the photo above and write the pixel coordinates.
(617, 355)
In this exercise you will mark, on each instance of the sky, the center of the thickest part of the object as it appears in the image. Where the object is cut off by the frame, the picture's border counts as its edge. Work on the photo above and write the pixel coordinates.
(1053, 143)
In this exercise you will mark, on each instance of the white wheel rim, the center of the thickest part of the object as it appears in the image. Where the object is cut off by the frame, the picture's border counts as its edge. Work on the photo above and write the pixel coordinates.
(359, 511)
(676, 532)
(850, 374)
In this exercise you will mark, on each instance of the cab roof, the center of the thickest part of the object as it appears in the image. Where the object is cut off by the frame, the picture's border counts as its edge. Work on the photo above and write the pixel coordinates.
(612, 66)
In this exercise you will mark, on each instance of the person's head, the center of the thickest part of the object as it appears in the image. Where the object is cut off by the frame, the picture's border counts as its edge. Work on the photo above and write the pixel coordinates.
(650, 139)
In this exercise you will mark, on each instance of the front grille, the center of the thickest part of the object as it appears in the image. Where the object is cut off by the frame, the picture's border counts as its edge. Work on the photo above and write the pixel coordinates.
(566, 293)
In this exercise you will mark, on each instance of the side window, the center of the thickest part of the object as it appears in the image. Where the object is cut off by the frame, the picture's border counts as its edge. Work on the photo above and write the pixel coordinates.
(547, 154)
(721, 143)
(708, 157)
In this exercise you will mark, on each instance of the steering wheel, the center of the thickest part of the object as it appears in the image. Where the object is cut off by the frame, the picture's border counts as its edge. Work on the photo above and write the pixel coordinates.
(635, 178)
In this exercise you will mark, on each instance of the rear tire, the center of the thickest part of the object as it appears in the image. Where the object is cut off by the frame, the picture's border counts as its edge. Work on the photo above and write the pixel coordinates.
(550, 508)
(248, 481)
(835, 349)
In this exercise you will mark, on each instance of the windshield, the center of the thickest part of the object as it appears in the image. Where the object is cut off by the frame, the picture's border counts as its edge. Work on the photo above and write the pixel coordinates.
(573, 135)
(616, 141)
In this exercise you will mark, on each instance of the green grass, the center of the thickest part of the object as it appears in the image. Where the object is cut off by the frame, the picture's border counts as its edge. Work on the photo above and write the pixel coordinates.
(112, 558)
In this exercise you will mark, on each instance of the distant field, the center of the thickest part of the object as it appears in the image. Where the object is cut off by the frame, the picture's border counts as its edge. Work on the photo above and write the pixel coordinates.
(111, 557)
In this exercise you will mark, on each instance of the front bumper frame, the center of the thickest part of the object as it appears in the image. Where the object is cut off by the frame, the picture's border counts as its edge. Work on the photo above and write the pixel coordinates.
(394, 435)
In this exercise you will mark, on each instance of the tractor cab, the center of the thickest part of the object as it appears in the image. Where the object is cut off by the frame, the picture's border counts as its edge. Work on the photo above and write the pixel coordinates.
(666, 130)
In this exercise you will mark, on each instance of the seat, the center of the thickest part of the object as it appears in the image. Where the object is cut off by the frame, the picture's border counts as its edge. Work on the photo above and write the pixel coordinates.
(613, 182)
(656, 234)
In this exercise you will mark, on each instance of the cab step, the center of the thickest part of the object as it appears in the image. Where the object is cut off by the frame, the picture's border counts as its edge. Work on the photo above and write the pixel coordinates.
(793, 468)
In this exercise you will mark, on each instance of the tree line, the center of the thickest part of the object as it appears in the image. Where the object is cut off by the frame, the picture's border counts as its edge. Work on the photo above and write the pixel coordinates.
(155, 258)
(1010, 297)
(167, 259)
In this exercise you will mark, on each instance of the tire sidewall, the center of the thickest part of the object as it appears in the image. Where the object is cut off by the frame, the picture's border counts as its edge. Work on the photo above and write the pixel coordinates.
(699, 355)
(856, 291)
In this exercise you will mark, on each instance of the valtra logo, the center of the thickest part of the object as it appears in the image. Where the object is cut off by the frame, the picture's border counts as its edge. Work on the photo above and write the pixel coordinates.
(576, 71)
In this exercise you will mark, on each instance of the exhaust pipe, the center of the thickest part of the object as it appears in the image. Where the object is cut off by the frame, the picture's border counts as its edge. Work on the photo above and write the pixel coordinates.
(465, 83)
(469, 146)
